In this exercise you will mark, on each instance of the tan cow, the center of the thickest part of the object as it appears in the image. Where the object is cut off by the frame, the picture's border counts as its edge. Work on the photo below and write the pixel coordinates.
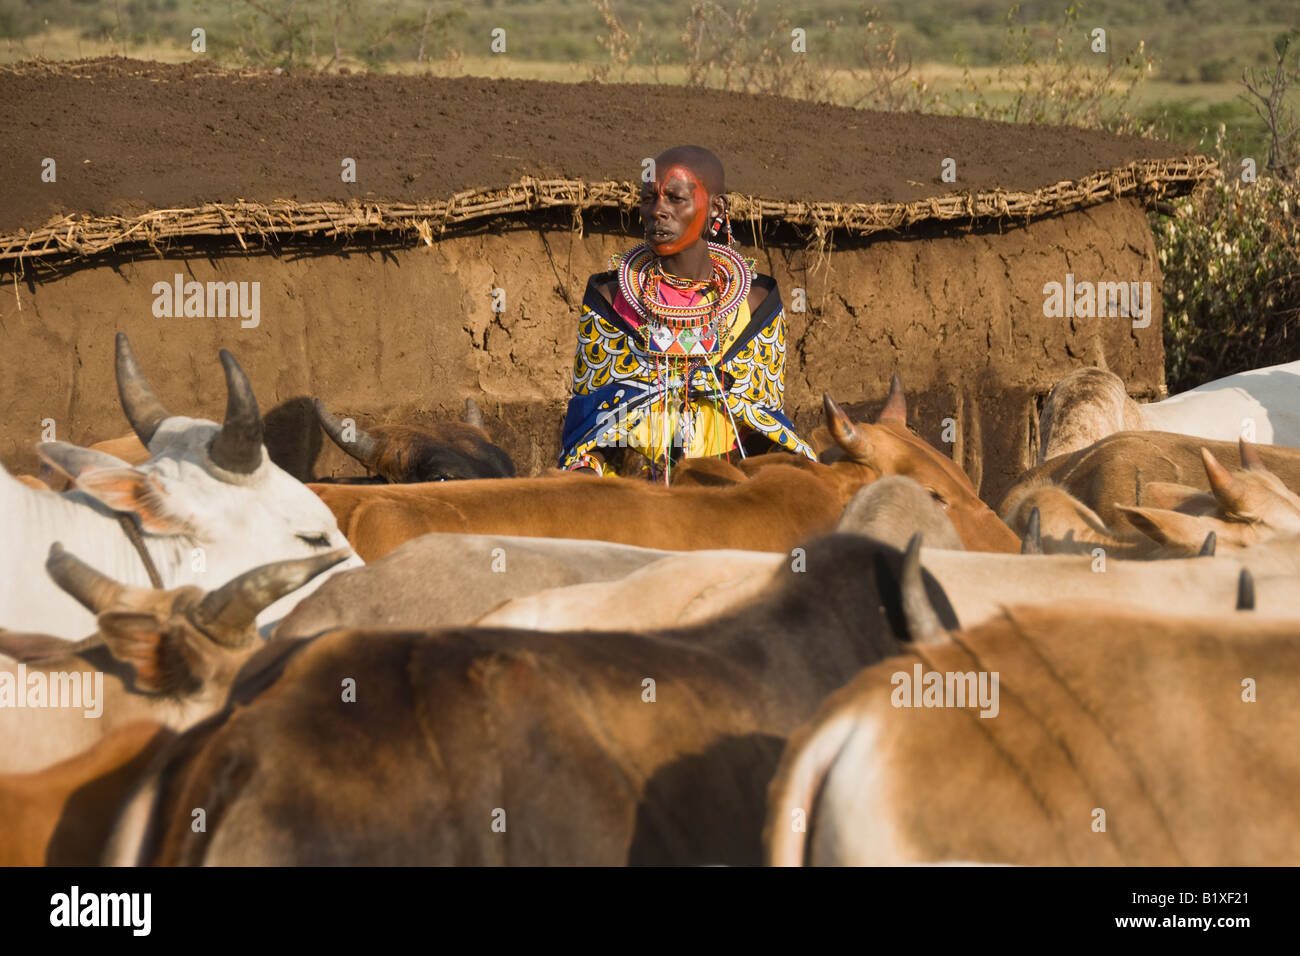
(787, 500)
(691, 588)
(1070, 735)
(167, 656)
(62, 815)
(1116, 470)
(896, 507)
(447, 580)
(1242, 508)
(1090, 403)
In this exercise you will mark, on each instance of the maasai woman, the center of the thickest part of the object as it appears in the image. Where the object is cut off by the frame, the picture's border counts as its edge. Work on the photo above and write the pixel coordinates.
(681, 345)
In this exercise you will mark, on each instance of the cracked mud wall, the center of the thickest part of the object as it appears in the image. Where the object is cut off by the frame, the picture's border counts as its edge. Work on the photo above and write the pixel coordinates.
(404, 335)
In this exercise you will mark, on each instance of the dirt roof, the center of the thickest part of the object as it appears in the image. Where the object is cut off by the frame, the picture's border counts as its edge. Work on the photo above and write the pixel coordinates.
(129, 137)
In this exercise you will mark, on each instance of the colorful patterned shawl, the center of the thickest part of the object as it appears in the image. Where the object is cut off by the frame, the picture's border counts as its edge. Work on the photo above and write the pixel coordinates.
(616, 396)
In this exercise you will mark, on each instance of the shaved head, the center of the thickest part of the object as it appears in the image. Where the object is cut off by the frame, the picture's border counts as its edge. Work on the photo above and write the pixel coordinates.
(698, 160)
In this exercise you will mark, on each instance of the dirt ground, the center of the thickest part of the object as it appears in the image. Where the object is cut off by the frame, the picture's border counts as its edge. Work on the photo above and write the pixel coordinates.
(128, 136)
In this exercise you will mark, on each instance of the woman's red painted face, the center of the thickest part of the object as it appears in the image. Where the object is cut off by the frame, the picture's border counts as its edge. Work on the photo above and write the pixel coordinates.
(674, 209)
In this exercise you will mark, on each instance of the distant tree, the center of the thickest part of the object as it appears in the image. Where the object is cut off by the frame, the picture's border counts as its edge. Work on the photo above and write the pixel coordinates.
(1266, 92)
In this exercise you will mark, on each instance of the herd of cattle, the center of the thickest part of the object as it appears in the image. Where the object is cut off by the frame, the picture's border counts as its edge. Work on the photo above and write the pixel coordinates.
(855, 660)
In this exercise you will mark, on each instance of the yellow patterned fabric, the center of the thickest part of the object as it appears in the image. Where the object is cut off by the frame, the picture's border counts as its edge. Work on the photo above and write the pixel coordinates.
(619, 398)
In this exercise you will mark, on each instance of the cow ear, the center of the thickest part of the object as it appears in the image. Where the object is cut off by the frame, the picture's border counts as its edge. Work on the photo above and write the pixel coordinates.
(824, 445)
(73, 460)
(144, 495)
(150, 648)
(1171, 496)
(24, 646)
(1173, 528)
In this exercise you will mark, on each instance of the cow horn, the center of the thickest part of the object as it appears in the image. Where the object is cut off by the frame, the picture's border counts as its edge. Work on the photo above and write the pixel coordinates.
(93, 590)
(895, 409)
(1246, 591)
(143, 409)
(923, 624)
(1228, 490)
(1207, 547)
(227, 614)
(1032, 543)
(473, 415)
(856, 445)
(238, 446)
(1250, 459)
(363, 447)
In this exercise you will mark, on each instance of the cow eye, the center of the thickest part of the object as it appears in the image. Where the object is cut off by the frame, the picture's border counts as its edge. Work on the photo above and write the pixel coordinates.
(315, 540)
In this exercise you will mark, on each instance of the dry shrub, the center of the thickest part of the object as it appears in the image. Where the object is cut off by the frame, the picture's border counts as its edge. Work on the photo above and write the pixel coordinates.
(726, 51)
(1071, 86)
(1266, 92)
(621, 45)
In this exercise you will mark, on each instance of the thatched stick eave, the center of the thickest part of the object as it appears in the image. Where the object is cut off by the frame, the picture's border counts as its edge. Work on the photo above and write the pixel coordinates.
(84, 237)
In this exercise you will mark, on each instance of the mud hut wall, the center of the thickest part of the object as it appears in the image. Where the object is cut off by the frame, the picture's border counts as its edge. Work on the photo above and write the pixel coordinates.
(405, 335)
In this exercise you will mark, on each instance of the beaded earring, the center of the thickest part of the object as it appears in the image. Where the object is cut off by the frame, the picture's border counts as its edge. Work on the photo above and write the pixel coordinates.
(721, 223)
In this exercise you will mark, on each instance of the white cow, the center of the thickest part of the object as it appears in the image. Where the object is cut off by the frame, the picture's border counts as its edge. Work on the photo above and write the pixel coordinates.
(1261, 405)
(210, 503)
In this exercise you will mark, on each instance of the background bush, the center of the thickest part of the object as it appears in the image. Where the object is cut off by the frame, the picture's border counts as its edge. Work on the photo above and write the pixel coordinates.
(1231, 263)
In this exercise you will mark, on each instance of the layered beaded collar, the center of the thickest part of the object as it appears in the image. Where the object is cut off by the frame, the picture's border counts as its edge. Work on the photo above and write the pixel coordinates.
(640, 274)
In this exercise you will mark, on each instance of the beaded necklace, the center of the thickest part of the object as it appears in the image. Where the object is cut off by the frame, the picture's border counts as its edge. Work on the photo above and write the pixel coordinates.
(684, 330)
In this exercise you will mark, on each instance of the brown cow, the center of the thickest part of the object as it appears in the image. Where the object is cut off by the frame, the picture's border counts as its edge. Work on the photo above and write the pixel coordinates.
(771, 512)
(889, 447)
(1110, 737)
(482, 746)
(1065, 525)
(62, 815)
(441, 452)
(787, 499)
